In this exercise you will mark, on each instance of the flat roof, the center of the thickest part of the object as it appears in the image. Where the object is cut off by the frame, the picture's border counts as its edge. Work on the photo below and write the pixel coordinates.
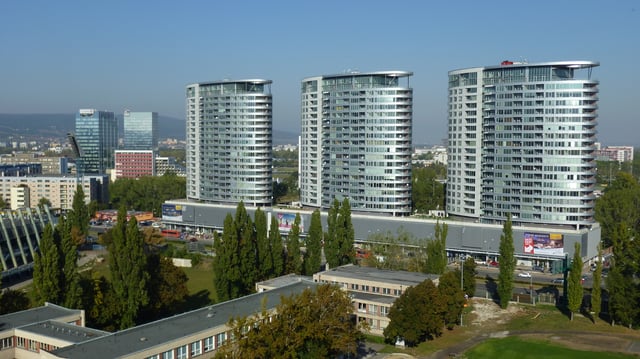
(284, 280)
(161, 332)
(379, 275)
(378, 298)
(63, 331)
(35, 315)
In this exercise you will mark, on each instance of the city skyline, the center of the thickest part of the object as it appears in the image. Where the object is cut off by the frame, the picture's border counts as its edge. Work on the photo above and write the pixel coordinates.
(59, 57)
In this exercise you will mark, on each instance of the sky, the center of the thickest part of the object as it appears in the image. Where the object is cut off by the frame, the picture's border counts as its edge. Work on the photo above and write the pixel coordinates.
(60, 56)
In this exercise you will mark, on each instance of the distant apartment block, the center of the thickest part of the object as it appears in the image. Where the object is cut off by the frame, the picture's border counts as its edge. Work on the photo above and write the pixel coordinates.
(169, 165)
(140, 130)
(20, 170)
(229, 142)
(134, 163)
(97, 138)
(356, 141)
(522, 142)
(50, 165)
(58, 190)
(616, 153)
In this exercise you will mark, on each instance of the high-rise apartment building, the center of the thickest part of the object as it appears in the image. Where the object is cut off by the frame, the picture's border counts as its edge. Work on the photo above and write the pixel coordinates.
(521, 142)
(97, 138)
(229, 140)
(140, 130)
(356, 141)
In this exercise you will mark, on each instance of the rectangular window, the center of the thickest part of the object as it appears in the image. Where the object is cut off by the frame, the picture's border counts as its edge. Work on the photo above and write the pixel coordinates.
(6, 343)
(168, 354)
(196, 348)
(221, 338)
(209, 344)
(182, 352)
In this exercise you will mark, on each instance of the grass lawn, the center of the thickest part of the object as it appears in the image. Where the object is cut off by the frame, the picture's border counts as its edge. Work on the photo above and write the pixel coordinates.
(515, 347)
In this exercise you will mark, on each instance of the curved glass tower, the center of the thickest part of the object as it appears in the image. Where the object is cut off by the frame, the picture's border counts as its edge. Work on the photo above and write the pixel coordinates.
(229, 140)
(356, 141)
(521, 142)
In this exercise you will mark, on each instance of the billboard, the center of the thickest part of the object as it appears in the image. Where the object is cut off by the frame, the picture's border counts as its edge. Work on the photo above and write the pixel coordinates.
(172, 212)
(285, 221)
(543, 243)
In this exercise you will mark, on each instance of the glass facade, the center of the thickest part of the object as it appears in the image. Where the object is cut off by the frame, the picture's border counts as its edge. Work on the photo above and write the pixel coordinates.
(356, 141)
(140, 130)
(97, 138)
(522, 142)
(229, 142)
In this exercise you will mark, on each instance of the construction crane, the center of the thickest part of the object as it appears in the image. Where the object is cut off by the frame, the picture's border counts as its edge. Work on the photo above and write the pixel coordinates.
(78, 154)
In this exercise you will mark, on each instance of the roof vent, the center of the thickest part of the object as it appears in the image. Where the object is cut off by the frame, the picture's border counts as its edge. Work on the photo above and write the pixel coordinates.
(143, 339)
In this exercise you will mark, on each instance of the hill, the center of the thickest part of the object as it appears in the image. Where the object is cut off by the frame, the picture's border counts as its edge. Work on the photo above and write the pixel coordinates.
(57, 125)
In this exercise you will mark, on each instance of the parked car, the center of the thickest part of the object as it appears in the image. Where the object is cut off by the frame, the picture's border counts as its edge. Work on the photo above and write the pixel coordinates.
(493, 263)
(538, 268)
(524, 275)
(557, 280)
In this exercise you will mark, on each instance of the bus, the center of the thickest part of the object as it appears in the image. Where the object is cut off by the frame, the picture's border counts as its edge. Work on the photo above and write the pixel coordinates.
(171, 233)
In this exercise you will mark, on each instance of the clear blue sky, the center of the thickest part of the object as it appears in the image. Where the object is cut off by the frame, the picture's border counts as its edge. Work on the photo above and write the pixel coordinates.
(59, 56)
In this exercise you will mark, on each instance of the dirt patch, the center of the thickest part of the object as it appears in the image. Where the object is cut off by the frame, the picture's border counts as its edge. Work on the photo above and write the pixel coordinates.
(487, 312)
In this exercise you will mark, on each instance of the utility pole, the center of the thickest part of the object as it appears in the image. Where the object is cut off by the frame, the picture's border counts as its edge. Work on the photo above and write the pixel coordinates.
(462, 285)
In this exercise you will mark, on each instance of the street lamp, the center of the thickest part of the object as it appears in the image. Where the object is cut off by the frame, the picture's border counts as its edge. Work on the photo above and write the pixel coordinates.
(461, 285)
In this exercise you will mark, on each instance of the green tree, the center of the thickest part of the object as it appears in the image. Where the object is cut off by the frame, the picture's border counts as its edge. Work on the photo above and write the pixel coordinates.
(128, 264)
(596, 291)
(331, 240)
(437, 250)
(102, 303)
(294, 257)
(470, 272)
(346, 235)
(167, 287)
(312, 256)
(79, 216)
(575, 292)
(314, 324)
(3, 203)
(13, 301)
(507, 264)
(265, 257)
(623, 297)
(226, 263)
(71, 291)
(427, 191)
(618, 210)
(248, 256)
(276, 249)
(44, 202)
(46, 269)
(417, 315)
(146, 193)
(452, 296)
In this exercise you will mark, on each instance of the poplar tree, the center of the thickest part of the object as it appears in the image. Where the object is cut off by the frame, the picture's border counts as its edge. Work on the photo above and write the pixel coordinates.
(226, 263)
(71, 290)
(346, 235)
(265, 257)
(46, 269)
(574, 285)
(507, 264)
(79, 216)
(596, 291)
(437, 250)
(128, 263)
(294, 258)
(332, 237)
(276, 249)
(312, 257)
(248, 256)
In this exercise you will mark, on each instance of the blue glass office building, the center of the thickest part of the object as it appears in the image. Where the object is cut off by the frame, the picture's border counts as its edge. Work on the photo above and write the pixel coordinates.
(140, 130)
(97, 138)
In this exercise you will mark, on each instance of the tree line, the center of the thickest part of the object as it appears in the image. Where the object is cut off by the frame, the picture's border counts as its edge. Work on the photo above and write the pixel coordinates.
(248, 251)
(142, 285)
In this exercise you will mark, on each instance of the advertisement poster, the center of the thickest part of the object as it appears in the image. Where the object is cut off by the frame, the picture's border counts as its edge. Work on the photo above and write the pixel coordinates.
(285, 221)
(544, 243)
(172, 212)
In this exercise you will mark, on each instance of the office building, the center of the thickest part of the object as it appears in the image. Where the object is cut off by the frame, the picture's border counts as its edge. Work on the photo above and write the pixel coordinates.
(229, 142)
(166, 165)
(134, 163)
(97, 137)
(356, 141)
(616, 153)
(521, 142)
(140, 130)
(50, 165)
